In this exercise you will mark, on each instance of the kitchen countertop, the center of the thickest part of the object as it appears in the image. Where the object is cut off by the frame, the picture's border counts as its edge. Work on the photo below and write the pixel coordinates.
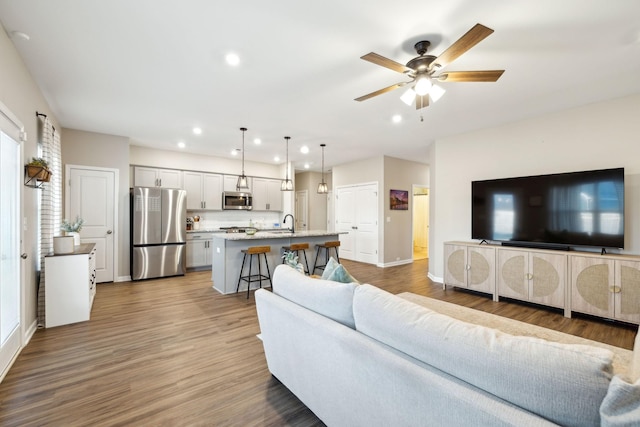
(218, 231)
(279, 234)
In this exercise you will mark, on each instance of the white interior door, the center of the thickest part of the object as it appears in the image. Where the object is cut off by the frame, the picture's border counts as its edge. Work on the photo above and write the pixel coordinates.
(367, 224)
(10, 271)
(90, 194)
(356, 210)
(345, 220)
(302, 210)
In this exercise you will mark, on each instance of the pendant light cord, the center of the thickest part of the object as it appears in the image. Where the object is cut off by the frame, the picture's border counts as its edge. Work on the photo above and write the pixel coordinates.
(243, 131)
(287, 163)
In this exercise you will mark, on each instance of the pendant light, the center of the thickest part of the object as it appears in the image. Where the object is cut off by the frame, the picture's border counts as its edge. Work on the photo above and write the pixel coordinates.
(243, 183)
(322, 187)
(287, 184)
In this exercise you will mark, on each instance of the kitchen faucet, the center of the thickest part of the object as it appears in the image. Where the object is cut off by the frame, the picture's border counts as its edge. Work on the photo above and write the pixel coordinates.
(293, 222)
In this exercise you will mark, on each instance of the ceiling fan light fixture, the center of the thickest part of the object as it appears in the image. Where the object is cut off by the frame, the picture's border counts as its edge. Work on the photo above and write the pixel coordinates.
(423, 85)
(287, 184)
(408, 97)
(436, 92)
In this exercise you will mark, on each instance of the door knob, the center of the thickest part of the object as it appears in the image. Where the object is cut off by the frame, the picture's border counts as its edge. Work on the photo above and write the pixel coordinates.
(109, 231)
(24, 255)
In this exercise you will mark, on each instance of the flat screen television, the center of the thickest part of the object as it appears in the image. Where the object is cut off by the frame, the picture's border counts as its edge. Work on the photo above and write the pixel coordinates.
(556, 211)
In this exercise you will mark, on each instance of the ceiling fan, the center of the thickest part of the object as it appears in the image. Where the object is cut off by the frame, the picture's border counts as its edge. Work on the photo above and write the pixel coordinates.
(425, 69)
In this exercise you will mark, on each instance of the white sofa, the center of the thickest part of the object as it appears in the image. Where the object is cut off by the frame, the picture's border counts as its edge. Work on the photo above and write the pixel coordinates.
(359, 356)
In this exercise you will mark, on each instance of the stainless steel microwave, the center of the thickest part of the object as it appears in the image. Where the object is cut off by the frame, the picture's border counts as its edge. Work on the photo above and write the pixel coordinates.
(237, 200)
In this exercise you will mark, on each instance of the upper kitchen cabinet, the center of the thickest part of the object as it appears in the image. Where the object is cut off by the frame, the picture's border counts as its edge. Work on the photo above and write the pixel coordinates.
(267, 195)
(230, 182)
(204, 190)
(156, 177)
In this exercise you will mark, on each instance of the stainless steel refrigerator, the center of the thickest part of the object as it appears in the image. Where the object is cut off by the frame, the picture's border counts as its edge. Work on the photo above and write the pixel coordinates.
(158, 232)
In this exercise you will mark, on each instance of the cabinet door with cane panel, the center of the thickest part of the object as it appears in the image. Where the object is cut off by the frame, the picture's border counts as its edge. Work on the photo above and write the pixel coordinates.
(606, 287)
(471, 267)
(532, 276)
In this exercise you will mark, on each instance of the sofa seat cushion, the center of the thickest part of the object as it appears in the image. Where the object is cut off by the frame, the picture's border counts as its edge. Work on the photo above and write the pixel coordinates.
(330, 299)
(565, 383)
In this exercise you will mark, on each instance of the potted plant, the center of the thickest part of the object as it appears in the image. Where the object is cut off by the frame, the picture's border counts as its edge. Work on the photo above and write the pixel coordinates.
(38, 168)
(73, 229)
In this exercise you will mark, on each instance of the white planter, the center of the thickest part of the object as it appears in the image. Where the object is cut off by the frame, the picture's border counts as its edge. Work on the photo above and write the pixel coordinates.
(76, 237)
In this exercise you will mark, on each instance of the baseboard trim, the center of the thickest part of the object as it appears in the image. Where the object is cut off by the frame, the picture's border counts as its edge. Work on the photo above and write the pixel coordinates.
(435, 279)
(394, 263)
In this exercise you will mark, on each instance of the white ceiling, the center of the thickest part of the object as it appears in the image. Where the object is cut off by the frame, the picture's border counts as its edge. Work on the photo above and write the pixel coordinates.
(152, 70)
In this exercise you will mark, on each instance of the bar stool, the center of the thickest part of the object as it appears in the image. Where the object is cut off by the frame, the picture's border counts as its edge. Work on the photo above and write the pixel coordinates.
(251, 251)
(327, 246)
(297, 247)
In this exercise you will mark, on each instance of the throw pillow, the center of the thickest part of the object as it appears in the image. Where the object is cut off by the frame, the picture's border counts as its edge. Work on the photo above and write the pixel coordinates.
(621, 405)
(332, 264)
(340, 274)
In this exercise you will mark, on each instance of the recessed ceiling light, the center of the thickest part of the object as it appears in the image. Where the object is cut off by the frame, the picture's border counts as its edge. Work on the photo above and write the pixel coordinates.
(235, 152)
(306, 165)
(181, 144)
(304, 149)
(276, 159)
(232, 59)
(197, 131)
(257, 141)
(397, 118)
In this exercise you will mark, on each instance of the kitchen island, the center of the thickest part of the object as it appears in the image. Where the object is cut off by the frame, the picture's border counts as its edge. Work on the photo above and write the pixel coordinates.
(227, 258)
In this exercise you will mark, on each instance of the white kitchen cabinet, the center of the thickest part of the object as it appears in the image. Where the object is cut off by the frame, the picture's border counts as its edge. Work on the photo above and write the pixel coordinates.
(70, 286)
(267, 195)
(204, 190)
(230, 182)
(198, 250)
(470, 266)
(606, 286)
(156, 177)
(533, 276)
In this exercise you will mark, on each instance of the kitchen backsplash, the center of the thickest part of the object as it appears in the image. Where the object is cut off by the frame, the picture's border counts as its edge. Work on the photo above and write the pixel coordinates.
(260, 219)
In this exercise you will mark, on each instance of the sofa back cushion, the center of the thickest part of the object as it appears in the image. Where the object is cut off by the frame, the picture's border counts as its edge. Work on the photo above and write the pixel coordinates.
(621, 406)
(564, 383)
(331, 299)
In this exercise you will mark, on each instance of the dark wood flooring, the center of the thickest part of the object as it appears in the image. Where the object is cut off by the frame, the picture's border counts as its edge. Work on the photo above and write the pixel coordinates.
(174, 352)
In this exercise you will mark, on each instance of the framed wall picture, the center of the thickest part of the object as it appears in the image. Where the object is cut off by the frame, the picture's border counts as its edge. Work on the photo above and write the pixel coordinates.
(398, 200)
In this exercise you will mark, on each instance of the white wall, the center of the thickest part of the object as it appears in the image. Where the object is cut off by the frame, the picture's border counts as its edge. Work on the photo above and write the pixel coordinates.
(597, 136)
(21, 95)
(398, 237)
(106, 151)
(394, 237)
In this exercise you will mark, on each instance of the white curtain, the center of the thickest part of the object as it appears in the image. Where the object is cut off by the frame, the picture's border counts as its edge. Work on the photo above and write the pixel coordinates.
(50, 202)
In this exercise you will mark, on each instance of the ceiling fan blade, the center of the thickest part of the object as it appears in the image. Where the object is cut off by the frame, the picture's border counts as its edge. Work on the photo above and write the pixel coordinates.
(385, 62)
(470, 76)
(471, 38)
(381, 91)
(422, 101)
